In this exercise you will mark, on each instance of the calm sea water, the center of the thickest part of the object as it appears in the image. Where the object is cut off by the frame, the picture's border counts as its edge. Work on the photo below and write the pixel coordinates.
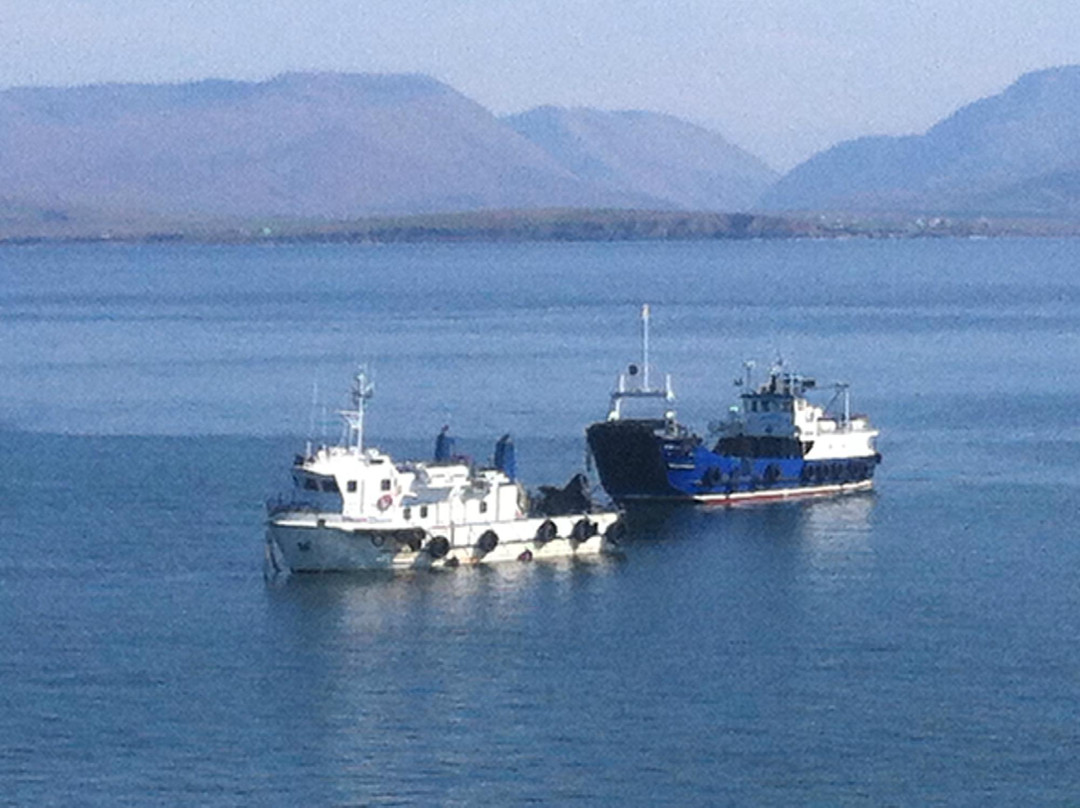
(916, 646)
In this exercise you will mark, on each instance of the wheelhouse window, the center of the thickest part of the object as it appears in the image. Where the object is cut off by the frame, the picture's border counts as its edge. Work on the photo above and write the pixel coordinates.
(351, 486)
(406, 514)
(385, 485)
(310, 484)
(330, 487)
(423, 511)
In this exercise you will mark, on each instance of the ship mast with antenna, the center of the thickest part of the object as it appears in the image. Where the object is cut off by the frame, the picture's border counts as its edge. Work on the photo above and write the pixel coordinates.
(362, 391)
(645, 344)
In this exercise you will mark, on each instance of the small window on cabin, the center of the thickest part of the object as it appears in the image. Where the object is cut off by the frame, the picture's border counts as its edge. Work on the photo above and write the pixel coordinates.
(330, 486)
(385, 485)
(483, 507)
(310, 484)
(406, 514)
(753, 406)
(423, 511)
(351, 486)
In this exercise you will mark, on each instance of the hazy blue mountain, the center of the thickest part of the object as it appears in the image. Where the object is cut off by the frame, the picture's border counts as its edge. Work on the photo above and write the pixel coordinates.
(675, 162)
(298, 145)
(1016, 152)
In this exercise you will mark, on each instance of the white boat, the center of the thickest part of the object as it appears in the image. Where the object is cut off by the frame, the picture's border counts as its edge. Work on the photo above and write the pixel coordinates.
(354, 508)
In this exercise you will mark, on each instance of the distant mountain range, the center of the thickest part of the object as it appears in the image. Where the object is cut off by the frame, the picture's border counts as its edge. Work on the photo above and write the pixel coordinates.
(327, 146)
(334, 145)
(1017, 153)
(670, 161)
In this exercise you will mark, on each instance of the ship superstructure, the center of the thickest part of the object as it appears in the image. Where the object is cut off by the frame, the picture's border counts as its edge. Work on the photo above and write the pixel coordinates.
(775, 443)
(355, 507)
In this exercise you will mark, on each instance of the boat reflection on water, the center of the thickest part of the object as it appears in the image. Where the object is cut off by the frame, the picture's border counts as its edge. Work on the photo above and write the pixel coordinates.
(823, 536)
(836, 540)
(378, 600)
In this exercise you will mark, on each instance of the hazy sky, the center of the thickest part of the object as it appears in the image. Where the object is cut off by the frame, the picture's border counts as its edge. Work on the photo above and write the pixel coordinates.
(782, 78)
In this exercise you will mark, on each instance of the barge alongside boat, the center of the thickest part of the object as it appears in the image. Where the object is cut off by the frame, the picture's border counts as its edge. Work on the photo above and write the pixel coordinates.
(775, 444)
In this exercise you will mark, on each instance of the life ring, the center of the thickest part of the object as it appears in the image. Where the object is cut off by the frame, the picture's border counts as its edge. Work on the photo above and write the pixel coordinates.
(487, 542)
(385, 501)
(546, 532)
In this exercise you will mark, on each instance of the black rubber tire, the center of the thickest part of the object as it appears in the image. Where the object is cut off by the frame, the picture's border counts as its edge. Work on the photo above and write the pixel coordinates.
(546, 532)
(487, 542)
(438, 547)
(583, 530)
(616, 531)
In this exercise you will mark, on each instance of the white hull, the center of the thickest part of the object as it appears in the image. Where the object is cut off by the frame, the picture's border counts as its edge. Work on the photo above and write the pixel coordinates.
(305, 542)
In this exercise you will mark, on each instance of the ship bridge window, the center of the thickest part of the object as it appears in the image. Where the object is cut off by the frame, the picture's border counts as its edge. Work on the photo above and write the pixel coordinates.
(330, 487)
(753, 406)
(423, 511)
(406, 514)
(310, 484)
(351, 486)
(385, 485)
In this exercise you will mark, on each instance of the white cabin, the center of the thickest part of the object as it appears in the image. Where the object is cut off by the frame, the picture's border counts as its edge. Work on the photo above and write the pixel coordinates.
(779, 409)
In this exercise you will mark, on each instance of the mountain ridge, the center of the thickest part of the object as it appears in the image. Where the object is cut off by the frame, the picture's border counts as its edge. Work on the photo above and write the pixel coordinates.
(650, 153)
(330, 145)
(1030, 129)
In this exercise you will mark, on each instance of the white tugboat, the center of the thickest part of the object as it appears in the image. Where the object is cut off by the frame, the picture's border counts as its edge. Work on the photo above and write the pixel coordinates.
(355, 508)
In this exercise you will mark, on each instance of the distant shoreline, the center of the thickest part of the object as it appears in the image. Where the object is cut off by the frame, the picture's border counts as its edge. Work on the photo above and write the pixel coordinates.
(523, 226)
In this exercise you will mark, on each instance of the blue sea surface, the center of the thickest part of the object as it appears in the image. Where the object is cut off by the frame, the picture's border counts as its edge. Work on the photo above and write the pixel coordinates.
(915, 646)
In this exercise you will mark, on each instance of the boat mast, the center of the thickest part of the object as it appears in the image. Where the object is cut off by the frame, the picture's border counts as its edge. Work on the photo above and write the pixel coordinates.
(748, 369)
(645, 344)
(362, 390)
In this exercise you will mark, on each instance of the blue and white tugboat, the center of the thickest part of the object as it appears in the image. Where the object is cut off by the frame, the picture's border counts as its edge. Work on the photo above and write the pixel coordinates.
(354, 508)
(774, 445)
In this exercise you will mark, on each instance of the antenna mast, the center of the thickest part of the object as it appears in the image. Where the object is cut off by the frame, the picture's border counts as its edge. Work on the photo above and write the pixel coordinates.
(645, 343)
(362, 390)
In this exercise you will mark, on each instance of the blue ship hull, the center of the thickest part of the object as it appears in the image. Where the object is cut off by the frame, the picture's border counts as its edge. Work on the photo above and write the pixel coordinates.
(637, 460)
